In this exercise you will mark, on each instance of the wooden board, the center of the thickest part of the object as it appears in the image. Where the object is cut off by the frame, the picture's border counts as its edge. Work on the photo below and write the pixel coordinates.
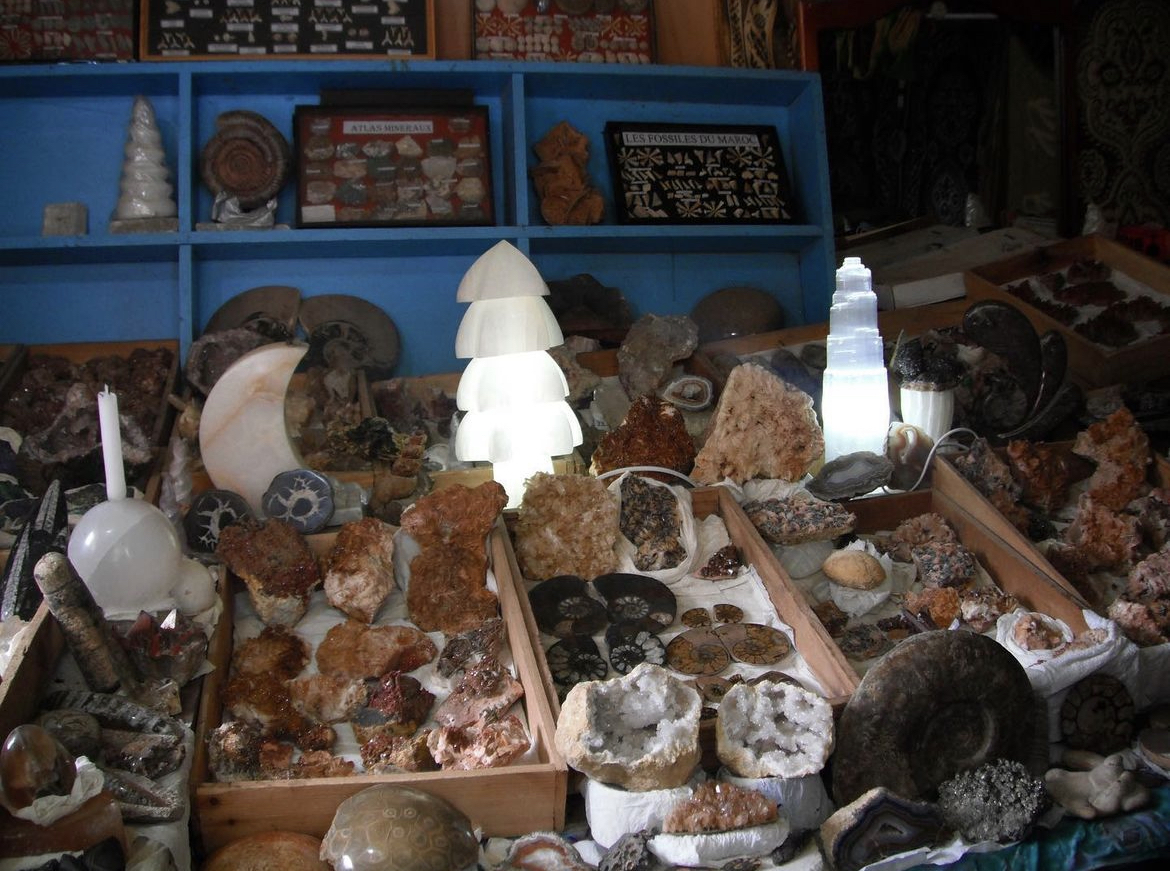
(1091, 364)
(33, 661)
(510, 801)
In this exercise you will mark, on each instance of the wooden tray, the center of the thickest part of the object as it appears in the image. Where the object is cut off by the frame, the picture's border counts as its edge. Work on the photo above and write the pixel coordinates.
(824, 659)
(32, 664)
(515, 800)
(1012, 571)
(1091, 364)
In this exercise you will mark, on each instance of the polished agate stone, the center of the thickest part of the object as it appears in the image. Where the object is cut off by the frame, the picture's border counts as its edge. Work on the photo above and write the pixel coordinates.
(32, 764)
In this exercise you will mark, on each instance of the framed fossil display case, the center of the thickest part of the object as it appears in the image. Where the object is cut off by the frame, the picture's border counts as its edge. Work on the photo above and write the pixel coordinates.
(369, 167)
(583, 31)
(695, 173)
(240, 28)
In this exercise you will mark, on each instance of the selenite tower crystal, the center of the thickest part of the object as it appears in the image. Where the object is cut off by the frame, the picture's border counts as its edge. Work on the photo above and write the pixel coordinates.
(855, 401)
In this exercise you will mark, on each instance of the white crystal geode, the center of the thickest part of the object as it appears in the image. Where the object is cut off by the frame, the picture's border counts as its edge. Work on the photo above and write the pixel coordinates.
(773, 730)
(639, 732)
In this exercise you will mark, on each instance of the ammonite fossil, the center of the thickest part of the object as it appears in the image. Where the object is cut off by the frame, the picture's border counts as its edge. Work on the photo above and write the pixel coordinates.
(863, 641)
(247, 158)
(1097, 714)
(630, 643)
(754, 643)
(633, 597)
(562, 607)
(695, 618)
(575, 659)
(697, 652)
(726, 613)
(939, 703)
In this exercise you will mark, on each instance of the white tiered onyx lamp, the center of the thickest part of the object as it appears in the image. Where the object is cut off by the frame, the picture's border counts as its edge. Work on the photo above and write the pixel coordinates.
(512, 391)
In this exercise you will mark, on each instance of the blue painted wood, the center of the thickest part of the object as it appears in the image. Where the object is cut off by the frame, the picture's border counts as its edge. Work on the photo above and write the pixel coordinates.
(63, 127)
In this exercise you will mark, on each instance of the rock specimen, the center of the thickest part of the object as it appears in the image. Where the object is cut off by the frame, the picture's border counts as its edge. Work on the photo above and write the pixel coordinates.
(568, 525)
(275, 563)
(936, 704)
(653, 433)
(566, 195)
(998, 801)
(719, 821)
(429, 833)
(485, 692)
(944, 564)
(1105, 789)
(798, 518)
(1043, 471)
(773, 730)
(640, 731)
(650, 520)
(689, 392)
(33, 763)
(472, 647)
(761, 428)
(359, 571)
(356, 650)
(482, 744)
(651, 347)
(328, 698)
(582, 382)
(448, 591)
(290, 851)
(854, 568)
(1121, 450)
(879, 823)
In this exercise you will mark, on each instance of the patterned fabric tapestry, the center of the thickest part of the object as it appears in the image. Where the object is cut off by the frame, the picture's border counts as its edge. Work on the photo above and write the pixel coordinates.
(1123, 85)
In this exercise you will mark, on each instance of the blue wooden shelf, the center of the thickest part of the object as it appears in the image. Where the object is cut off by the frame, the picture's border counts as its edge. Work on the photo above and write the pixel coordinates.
(63, 127)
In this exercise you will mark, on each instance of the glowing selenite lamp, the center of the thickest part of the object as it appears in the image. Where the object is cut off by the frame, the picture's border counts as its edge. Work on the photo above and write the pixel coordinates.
(855, 398)
(126, 550)
(512, 391)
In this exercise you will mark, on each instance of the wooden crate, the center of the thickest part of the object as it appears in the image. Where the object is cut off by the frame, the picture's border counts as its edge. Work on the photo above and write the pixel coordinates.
(82, 352)
(981, 534)
(33, 662)
(813, 643)
(1091, 364)
(509, 801)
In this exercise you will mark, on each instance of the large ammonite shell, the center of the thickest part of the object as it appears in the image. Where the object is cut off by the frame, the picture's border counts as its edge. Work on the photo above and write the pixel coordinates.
(247, 158)
(562, 607)
(754, 643)
(697, 652)
(637, 597)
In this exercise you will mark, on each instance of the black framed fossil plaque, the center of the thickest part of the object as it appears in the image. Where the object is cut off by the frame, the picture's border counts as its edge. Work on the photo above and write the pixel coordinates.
(698, 174)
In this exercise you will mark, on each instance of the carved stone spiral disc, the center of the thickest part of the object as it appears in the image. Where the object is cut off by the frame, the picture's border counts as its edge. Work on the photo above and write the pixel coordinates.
(247, 158)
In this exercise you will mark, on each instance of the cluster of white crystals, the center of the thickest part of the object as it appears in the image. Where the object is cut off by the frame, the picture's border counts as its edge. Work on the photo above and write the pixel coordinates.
(773, 730)
(641, 715)
(855, 399)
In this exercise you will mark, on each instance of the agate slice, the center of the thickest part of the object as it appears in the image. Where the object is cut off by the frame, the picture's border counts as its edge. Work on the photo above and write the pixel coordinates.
(877, 824)
(563, 607)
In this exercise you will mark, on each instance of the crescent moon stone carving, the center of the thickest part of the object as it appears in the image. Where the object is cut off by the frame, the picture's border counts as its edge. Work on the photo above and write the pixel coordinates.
(242, 434)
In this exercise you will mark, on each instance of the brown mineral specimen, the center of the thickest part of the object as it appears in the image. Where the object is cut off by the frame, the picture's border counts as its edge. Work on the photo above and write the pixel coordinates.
(1153, 511)
(568, 525)
(653, 433)
(447, 590)
(356, 650)
(915, 531)
(485, 692)
(566, 196)
(650, 520)
(1137, 622)
(1075, 568)
(651, 347)
(478, 645)
(717, 806)
(981, 607)
(940, 603)
(798, 518)
(944, 564)
(984, 468)
(275, 563)
(1150, 579)
(762, 427)
(480, 745)
(1106, 539)
(329, 698)
(1034, 631)
(404, 701)
(1121, 451)
(385, 754)
(233, 751)
(582, 382)
(276, 650)
(320, 763)
(1043, 471)
(359, 571)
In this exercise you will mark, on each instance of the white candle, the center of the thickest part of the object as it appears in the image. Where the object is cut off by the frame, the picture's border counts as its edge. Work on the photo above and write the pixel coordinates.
(111, 444)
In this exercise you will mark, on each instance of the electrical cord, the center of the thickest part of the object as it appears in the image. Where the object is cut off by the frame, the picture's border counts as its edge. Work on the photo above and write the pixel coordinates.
(612, 472)
(939, 444)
